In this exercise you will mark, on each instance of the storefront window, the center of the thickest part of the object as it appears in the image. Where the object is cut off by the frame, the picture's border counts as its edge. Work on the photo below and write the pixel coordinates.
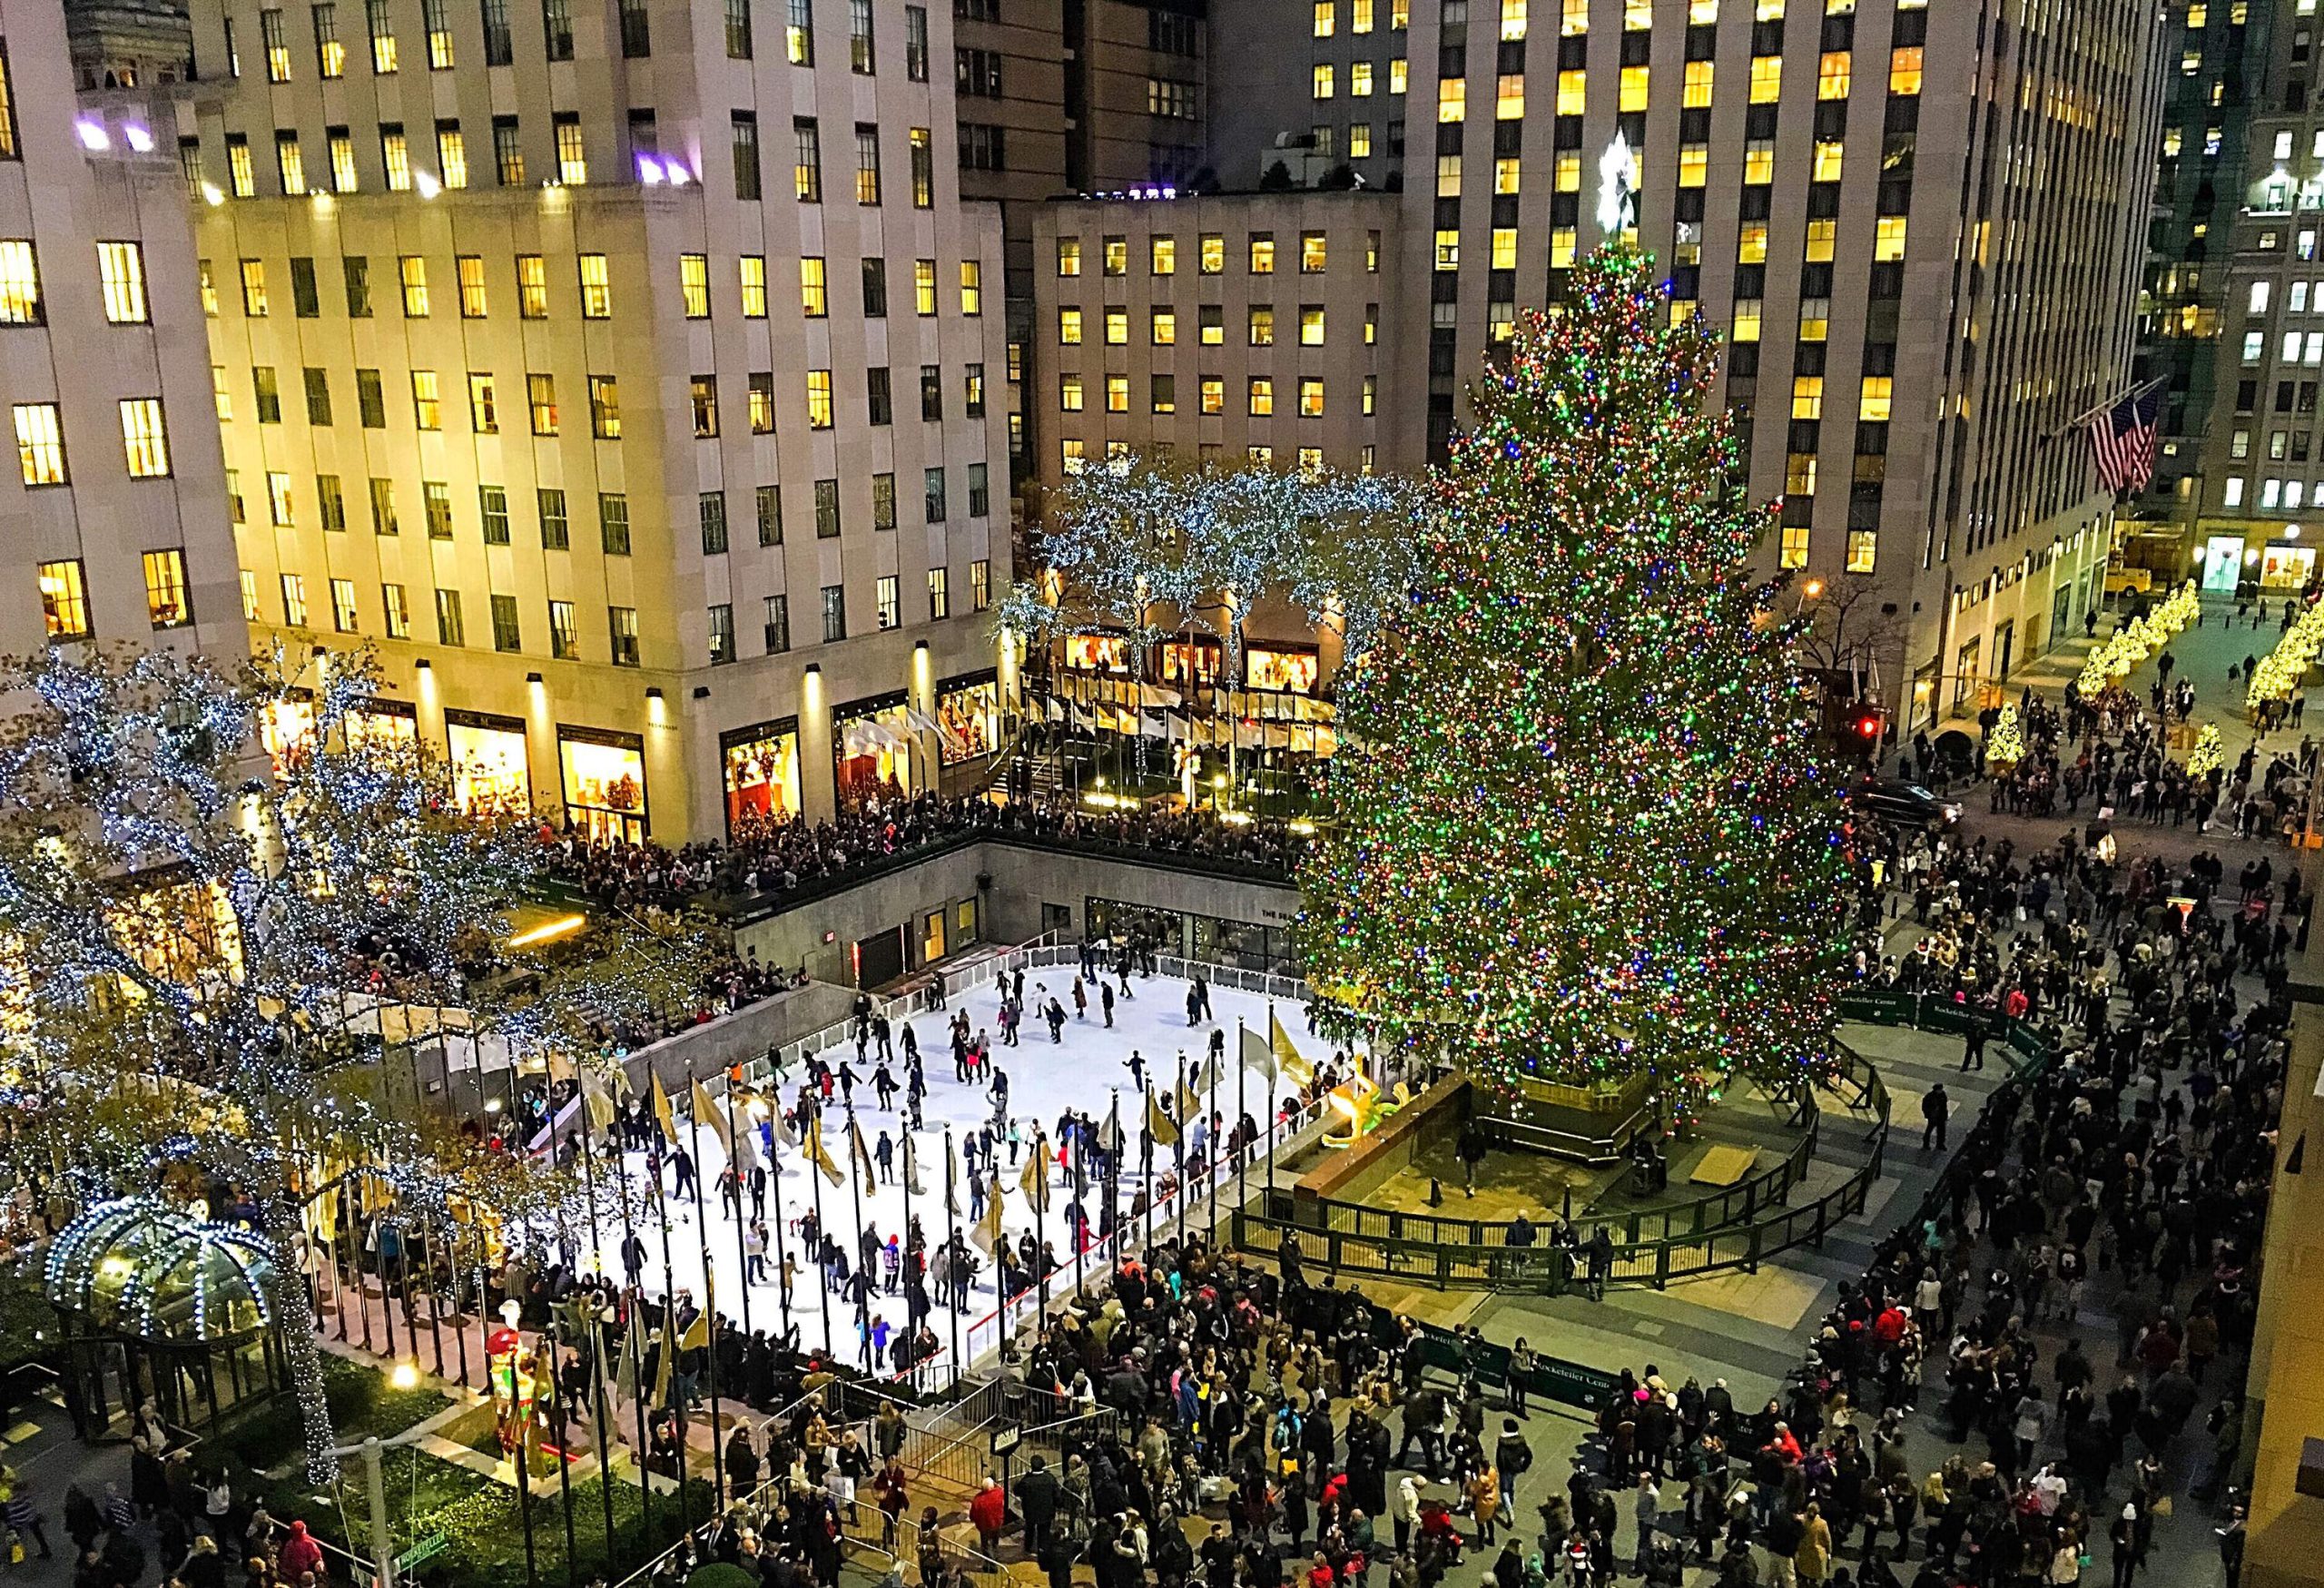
(762, 773)
(287, 728)
(2286, 568)
(1294, 672)
(871, 751)
(605, 783)
(388, 727)
(1098, 653)
(968, 719)
(1196, 662)
(491, 773)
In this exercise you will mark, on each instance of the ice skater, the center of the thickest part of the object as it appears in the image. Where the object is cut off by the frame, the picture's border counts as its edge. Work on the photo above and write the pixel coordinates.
(1135, 1062)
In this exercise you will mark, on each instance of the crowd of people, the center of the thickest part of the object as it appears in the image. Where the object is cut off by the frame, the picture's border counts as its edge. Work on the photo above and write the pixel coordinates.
(769, 857)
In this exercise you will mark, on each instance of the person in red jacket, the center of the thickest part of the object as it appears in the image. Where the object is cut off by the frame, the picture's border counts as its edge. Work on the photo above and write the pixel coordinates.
(989, 1514)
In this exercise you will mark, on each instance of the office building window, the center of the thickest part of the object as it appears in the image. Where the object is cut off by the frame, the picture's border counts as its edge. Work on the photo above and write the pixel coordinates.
(383, 507)
(166, 602)
(394, 612)
(330, 54)
(613, 523)
(451, 629)
(507, 151)
(980, 584)
(426, 400)
(814, 300)
(827, 509)
(777, 620)
(605, 408)
(596, 287)
(572, 155)
(564, 632)
(540, 398)
(557, 533)
(330, 503)
(752, 272)
(144, 438)
(40, 443)
(980, 491)
(834, 613)
(505, 633)
(436, 505)
(867, 163)
(806, 160)
(65, 600)
(492, 506)
(768, 503)
(621, 628)
(294, 600)
(819, 400)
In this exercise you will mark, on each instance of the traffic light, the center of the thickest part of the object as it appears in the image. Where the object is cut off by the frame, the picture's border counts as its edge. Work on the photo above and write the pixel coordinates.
(1869, 722)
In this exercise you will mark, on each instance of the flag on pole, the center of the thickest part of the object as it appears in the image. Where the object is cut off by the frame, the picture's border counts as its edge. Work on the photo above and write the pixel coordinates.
(697, 1333)
(745, 1146)
(1159, 1125)
(987, 1234)
(1295, 1069)
(597, 1100)
(819, 1158)
(667, 1359)
(1109, 1134)
(1257, 1055)
(2122, 439)
(1210, 1076)
(1189, 1105)
(911, 1168)
(1035, 1180)
(858, 1152)
(784, 1136)
(706, 1112)
(952, 1174)
(668, 1120)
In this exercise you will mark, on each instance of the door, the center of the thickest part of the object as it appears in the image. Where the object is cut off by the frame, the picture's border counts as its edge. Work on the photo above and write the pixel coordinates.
(2005, 640)
(2222, 562)
(880, 958)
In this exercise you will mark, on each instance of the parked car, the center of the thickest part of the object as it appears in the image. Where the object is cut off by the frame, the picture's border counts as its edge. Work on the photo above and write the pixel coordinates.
(1893, 799)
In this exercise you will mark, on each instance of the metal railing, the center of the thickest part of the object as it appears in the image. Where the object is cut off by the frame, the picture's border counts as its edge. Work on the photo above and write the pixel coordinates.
(1453, 1253)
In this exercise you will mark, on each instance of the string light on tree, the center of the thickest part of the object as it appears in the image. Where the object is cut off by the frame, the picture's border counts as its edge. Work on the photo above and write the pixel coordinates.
(2005, 745)
(1578, 823)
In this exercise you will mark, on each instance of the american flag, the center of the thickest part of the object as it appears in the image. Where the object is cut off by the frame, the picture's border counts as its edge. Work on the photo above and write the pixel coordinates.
(2121, 441)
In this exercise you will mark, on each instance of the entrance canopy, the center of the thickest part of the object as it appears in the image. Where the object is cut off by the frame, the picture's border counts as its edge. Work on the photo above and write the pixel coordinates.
(143, 1269)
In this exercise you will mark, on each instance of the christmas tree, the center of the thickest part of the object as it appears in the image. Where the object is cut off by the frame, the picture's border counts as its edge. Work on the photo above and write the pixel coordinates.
(1578, 827)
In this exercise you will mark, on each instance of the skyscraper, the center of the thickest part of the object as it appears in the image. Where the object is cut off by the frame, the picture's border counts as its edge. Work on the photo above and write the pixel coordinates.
(622, 373)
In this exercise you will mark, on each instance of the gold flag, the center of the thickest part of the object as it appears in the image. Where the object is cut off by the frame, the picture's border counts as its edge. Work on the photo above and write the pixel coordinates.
(697, 1331)
(1257, 1055)
(1210, 1076)
(1296, 1070)
(1035, 1180)
(1158, 1124)
(860, 1153)
(820, 1159)
(706, 1112)
(911, 1168)
(597, 1100)
(951, 1176)
(668, 1357)
(1189, 1105)
(784, 1136)
(987, 1234)
(661, 1113)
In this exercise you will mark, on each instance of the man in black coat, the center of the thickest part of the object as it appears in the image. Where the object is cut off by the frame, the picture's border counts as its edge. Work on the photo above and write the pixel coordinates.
(1037, 1496)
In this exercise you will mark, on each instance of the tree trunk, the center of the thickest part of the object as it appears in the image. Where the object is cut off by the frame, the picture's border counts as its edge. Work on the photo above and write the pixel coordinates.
(294, 1312)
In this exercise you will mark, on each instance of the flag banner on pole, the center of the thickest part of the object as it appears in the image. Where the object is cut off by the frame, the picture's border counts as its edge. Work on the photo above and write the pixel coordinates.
(1295, 1069)
(1035, 1180)
(1189, 1105)
(697, 1333)
(820, 1159)
(596, 1100)
(661, 1114)
(987, 1234)
(1158, 1124)
(1210, 1076)
(707, 1113)
(860, 1153)
(1256, 1054)
(951, 1175)
(911, 1168)
(1109, 1136)
(2122, 439)
(745, 1145)
(784, 1136)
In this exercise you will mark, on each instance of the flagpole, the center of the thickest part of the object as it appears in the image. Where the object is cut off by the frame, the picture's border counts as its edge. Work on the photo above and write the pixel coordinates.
(735, 1171)
(709, 1285)
(1146, 1164)
(670, 1333)
(1273, 1070)
(1041, 1231)
(1113, 1176)
(1080, 1202)
(864, 1290)
(815, 1184)
(630, 1346)
(1178, 1148)
(1210, 1155)
(601, 1412)
(952, 1252)
(1242, 1112)
(774, 1184)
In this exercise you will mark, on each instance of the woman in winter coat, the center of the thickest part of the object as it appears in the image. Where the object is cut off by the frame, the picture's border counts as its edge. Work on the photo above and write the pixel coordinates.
(1813, 1558)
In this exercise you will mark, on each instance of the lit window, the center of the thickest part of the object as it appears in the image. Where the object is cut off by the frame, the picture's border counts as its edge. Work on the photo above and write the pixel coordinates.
(1752, 243)
(20, 283)
(1163, 327)
(1162, 256)
(1832, 74)
(65, 600)
(1794, 553)
(144, 439)
(1829, 159)
(1505, 174)
(40, 443)
(814, 297)
(596, 288)
(166, 604)
(1694, 165)
(1117, 394)
(1767, 79)
(1873, 405)
(1262, 253)
(1069, 327)
(1262, 395)
(752, 270)
(694, 285)
(819, 400)
(1116, 326)
(605, 408)
(1068, 256)
(413, 269)
(1821, 236)
(483, 409)
(532, 286)
(1069, 393)
(972, 287)
(1214, 394)
(1448, 250)
(540, 398)
(923, 286)
(1808, 397)
(1453, 99)
(1573, 93)
(1311, 325)
(1359, 80)
(1448, 176)
(1759, 162)
(1311, 396)
(1634, 89)
(1697, 94)
(1322, 81)
(1398, 75)
(1512, 20)
(1509, 97)
(1359, 140)
(1314, 255)
(1213, 253)
(427, 402)
(572, 156)
(254, 288)
(1889, 238)
(1504, 248)
(1863, 550)
(1327, 19)
(1904, 71)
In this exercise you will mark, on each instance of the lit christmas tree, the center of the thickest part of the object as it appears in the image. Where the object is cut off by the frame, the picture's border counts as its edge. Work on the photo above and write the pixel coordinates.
(2005, 745)
(1578, 827)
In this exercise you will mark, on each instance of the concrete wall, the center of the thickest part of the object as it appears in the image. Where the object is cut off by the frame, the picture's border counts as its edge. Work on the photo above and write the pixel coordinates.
(1010, 883)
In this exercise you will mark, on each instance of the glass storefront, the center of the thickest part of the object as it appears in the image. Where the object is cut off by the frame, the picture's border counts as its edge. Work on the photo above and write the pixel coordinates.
(2286, 568)
(1190, 662)
(871, 751)
(492, 770)
(1291, 672)
(1098, 653)
(967, 717)
(605, 783)
(1246, 945)
(388, 727)
(762, 767)
(286, 727)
